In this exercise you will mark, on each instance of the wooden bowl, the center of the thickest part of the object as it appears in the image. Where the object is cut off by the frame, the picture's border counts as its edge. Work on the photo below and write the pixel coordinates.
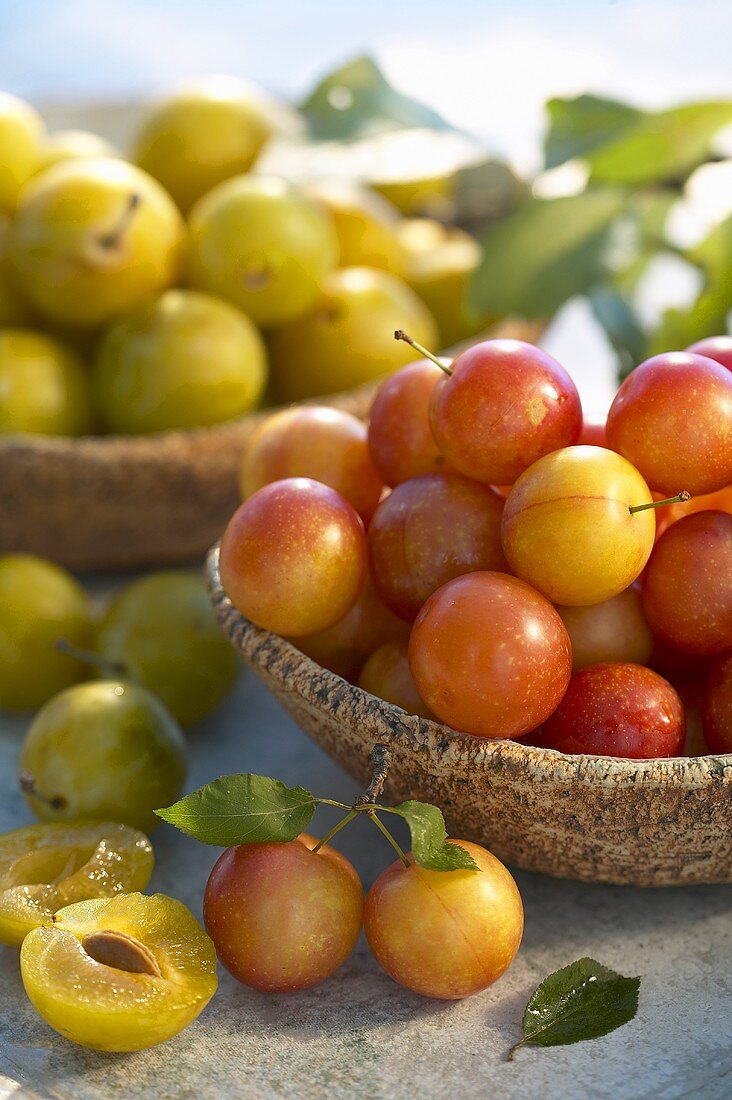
(593, 818)
(134, 502)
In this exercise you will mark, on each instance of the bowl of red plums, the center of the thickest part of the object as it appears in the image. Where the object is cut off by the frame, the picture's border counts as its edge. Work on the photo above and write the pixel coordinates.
(150, 304)
(532, 609)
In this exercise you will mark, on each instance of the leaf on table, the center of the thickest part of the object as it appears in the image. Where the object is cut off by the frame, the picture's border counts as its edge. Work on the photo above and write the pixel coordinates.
(242, 809)
(430, 845)
(623, 145)
(356, 100)
(581, 1001)
(545, 252)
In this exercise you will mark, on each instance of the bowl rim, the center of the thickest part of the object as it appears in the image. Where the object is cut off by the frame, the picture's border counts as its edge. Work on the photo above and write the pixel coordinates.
(323, 687)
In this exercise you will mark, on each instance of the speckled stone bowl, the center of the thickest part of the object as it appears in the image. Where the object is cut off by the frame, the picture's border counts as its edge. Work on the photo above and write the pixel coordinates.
(135, 502)
(594, 818)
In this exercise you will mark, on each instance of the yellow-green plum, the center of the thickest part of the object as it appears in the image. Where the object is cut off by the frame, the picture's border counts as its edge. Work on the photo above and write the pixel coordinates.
(262, 245)
(92, 239)
(162, 631)
(445, 934)
(72, 145)
(21, 135)
(568, 530)
(204, 134)
(366, 225)
(347, 337)
(106, 751)
(14, 310)
(282, 916)
(185, 360)
(39, 604)
(44, 388)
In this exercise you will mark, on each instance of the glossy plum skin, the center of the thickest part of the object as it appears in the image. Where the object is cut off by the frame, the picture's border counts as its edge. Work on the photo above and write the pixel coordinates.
(386, 675)
(283, 917)
(687, 584)
(369, 624)
(718, 348)
(567, 528)
(506, 404)
(324, 444)
(717, 707)
(614, 630)
(497, 682)
(293, 557)
(400, 438)
(617, 709)
(428, 531)
(672, 418)
(445, 934)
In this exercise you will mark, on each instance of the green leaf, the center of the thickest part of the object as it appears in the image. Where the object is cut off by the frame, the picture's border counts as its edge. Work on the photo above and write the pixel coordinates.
(621, 325)
(545, 252)
(623, 145)
(357, 100)
(577, 126)
(485, 191)
(242, 809)
(581, 1001)
(430, 845)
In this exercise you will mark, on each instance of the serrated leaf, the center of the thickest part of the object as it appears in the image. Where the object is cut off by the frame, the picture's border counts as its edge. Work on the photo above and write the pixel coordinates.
(581, 1001)
(579, 125)
(430, 845)
(546, 252)
(357, 100)
(242, 809)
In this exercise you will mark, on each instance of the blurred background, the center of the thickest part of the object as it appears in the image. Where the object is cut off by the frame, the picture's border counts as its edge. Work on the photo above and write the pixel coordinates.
(488, 69)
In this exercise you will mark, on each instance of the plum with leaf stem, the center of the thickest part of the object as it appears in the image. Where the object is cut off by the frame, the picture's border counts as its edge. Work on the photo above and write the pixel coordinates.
(445, 934)
(92, 239)
(283, 917)
(261, 244)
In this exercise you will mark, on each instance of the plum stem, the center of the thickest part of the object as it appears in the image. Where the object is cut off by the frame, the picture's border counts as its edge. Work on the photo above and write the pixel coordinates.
(336, 829)
(382, 828)
(380, 761)
(680, 498)
(112, 669)
(28, 786)
(516, 1046)
(400, 335)
(111, 238)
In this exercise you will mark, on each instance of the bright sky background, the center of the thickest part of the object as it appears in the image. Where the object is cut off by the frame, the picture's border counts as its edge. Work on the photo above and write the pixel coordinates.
(487, 65)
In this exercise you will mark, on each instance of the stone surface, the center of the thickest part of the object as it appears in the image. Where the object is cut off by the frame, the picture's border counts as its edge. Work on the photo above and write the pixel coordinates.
(361, 1036)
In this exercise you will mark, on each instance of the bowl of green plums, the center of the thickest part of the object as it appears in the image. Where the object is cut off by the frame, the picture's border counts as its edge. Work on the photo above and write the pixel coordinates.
(536, 617)
(150, 306)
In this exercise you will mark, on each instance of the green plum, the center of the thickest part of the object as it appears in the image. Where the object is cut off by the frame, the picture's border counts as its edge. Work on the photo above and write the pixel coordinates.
(162, 629)
(39, 604)
(44, 388)
(203, 135)
(105, 751)
(94, 238)
(262, 245)
(367, 226)
(185, 360)
(14, 310)
(21, 135)
(347, 338)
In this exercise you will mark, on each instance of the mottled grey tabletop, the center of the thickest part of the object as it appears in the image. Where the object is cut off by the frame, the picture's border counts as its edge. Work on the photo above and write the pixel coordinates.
(360, 1035)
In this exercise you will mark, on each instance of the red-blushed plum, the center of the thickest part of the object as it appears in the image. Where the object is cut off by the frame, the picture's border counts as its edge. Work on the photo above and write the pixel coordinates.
(294, 557)
(687, 584)
(593, 431)
(614, 630)
(672, 418)
(490, 655)
(445, 934)
(718, 348)
(369, 624)
(717, 707)
(428, 531)
(721, 501)
(281, 916)
(400, 438)
(506, 404)
(617, 709)
(386, 674)
(325, 444)
(567, 526)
